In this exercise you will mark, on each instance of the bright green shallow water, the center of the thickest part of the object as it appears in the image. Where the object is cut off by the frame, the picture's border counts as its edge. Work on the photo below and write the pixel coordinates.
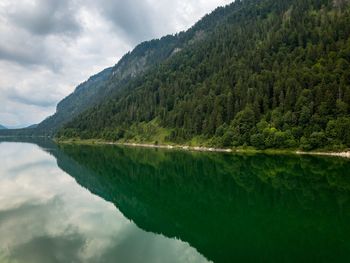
(111, 204)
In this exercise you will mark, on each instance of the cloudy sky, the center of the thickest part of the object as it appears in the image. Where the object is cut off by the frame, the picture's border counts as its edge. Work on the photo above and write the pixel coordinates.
(48, 47)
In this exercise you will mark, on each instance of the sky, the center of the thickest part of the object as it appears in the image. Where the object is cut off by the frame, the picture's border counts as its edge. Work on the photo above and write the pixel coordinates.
(48, 47)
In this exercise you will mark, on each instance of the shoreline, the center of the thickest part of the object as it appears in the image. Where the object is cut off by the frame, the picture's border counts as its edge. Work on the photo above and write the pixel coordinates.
(174, 147)
(343, 154)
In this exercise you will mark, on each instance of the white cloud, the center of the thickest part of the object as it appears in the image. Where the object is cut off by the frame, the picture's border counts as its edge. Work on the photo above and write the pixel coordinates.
(48, 47)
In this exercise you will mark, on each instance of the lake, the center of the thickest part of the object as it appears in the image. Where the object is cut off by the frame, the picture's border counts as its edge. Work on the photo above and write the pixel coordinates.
(117, 204)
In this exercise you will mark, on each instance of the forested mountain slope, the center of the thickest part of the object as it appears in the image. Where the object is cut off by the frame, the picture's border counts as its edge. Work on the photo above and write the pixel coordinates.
(84, 95)
(271, 74)
(103, 84)
(106, 83)
(266, 73)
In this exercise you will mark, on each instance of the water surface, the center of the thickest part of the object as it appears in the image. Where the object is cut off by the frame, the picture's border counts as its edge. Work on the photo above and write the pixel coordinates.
(117, 204)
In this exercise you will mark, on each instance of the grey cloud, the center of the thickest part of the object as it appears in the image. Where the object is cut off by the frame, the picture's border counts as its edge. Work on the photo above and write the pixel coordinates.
(40, 101)
(46, 17)
(61, 248)
(32, 31)
(31, 98)
(27, 50)
(133, 18)
(14, 55)
(28, 56)
(52, 249)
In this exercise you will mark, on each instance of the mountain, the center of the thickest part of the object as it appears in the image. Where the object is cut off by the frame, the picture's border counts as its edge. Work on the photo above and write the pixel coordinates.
(262, 73)
(106, 83)
(98, 87)
(2, 127)
(33, 126)
(85, 94)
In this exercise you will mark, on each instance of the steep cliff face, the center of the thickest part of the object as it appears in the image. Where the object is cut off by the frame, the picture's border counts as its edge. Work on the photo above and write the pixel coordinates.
(143, 57)
(340, 3)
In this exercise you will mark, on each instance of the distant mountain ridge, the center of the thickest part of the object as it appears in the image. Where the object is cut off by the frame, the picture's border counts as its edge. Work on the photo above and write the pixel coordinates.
(2, 127)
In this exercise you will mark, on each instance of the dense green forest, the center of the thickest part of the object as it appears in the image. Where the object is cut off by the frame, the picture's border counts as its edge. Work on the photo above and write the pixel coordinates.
(261, 73)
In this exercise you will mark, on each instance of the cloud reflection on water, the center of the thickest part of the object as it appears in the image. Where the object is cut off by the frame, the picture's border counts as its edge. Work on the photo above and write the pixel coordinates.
(45, 216)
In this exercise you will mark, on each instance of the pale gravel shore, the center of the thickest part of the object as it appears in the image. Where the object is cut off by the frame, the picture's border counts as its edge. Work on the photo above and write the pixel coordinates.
(187, 148)
(336, 154)
(344, 154)
(205, 149)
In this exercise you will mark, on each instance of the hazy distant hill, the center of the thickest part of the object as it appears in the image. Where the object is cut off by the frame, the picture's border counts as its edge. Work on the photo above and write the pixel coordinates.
(2, 127)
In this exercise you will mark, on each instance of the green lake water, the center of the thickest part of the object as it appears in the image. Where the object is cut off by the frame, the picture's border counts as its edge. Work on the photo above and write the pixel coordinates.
(117, 204)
